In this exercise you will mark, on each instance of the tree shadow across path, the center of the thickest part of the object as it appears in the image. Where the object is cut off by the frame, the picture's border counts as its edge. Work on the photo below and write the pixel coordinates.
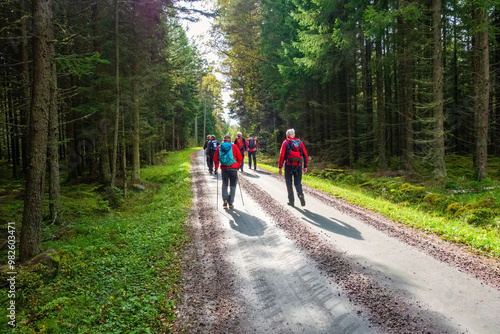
(330, 224)
(246, 224)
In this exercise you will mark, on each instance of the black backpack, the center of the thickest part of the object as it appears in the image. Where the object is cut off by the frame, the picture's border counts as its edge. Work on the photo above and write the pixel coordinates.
(251, 143)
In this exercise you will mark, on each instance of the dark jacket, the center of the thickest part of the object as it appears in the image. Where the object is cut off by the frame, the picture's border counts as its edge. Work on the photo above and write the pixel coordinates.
(252, 149)
(244, 143)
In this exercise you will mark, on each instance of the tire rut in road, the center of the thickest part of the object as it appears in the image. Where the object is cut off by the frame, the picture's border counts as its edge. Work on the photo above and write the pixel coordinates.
(210, 302)
(382, 306)
(288, 293)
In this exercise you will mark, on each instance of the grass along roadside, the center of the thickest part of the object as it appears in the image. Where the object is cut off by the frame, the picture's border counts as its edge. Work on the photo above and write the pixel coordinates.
(481, 240)
(119, 271)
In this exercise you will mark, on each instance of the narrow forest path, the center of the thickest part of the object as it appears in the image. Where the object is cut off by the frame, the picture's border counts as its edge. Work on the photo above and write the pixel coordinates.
(328, 267)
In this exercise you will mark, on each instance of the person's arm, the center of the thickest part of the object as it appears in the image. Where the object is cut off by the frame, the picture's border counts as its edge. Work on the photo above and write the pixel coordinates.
(216, 158)
(306, 157)
(282, 156)
(237, 155)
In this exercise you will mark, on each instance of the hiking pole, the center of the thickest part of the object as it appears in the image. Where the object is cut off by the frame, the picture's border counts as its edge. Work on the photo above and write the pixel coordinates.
(217, 190)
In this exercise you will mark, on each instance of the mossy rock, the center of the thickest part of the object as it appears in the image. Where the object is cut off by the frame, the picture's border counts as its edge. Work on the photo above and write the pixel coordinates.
(453, 207)
(474, 208)
(45, 264)
(406, 187)
(433, 198)
(315, 171)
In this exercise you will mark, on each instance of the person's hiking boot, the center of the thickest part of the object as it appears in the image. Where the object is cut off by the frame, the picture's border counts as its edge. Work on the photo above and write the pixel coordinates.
(291, 204)
(231, 206)
(302, 200)
(225, 203)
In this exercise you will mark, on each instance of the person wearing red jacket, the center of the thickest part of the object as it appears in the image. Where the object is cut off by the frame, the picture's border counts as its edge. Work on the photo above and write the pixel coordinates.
(294, 155)
(229, 172)
(252, 151)
(242, 145)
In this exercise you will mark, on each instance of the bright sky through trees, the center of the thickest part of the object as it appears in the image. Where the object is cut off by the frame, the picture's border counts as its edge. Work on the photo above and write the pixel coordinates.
(199, 33)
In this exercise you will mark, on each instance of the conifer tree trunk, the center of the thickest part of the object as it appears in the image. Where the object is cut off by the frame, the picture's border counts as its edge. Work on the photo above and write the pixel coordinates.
(437, 91)
(53, 150)
(105, 175)
(381, 124)
(136, 160)
(481, 87)
(43, 56)
(117, 105)
(26, 88)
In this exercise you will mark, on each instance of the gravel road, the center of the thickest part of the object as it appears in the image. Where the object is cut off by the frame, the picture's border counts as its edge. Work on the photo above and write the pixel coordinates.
(328, 267)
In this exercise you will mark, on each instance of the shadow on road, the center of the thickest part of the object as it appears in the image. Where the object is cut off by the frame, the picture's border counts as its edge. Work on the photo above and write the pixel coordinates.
(246, 224)
(330, 224)
(251, 174)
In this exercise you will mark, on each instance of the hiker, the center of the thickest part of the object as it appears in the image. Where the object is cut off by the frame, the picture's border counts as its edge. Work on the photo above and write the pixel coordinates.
(211, 148)
(229, 157)
(242, 146)
(205, 148)
(252, 151)
(294, 155)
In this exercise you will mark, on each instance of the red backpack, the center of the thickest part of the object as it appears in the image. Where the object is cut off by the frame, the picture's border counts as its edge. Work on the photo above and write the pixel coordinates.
(240, 143)
(294, 151)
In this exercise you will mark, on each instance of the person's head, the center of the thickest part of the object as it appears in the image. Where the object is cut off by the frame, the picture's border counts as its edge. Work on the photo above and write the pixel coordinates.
(213, 137)
(250, 135)
(290, 133)
(238, 134)
(227, 138)
(208, 136)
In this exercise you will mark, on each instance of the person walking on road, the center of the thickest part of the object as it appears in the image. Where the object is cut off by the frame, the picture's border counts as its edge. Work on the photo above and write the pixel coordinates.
(230, 159)
(252, 151)
(209, 137)
(242, 146)
(211, 148)
(294, 155)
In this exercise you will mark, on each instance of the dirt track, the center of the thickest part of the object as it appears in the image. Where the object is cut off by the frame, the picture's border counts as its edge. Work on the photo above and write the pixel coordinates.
(328, 267)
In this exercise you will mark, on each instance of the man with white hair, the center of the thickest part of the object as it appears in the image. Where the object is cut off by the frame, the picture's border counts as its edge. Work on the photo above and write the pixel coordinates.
(242, 146)
(294, 155)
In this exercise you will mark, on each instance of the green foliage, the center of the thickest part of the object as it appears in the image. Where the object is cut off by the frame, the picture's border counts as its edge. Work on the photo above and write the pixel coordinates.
(80, 66)
(119, 272)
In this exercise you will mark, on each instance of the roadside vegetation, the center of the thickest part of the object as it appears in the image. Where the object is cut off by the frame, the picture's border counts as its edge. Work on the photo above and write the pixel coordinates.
(119, 258)
(460, 210)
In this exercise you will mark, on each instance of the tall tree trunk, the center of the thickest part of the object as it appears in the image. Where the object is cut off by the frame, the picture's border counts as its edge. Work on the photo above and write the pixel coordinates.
(124, 158)
(26, 87)
(53, 150)
(136, 159)
(117, 103)
(105, 175)
(381, 138)
(369, 100)
(43, 56)
(437, 91)
(13, 133)
(350, 139)
(405, 95)
(481, 87)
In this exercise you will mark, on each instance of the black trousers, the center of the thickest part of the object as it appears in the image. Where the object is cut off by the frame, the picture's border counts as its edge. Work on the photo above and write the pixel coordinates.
(252, 155)
(293, 175)
(242, 159)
